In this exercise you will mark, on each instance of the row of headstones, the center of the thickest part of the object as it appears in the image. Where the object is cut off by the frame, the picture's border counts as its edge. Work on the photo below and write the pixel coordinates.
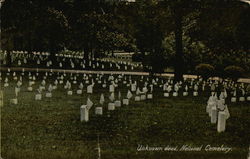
(166, 87)
(140, 96)
(112, 105)
(218, 111)
(67, 53)
(113, 63)
(92, 64)
(50, 87)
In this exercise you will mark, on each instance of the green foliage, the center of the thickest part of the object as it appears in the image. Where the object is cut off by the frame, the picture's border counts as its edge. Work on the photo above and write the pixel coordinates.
(205, 70)
(194, 51)
(101, 32)
(207, 32)
(111, 40)
(234, 72)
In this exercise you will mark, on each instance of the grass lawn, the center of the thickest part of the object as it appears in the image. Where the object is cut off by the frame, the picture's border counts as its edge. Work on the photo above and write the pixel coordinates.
(51, 128)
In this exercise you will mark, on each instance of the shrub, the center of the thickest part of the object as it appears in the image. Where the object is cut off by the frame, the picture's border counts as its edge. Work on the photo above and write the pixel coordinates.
(205, 70)
(234, 72)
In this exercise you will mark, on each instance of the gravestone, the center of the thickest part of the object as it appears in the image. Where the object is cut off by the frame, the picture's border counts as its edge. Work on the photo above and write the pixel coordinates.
(150, 96)
(84, 113)
(133, 87)
(70, 92)
(125, 101)
(14, 101)
(111, 88)
(111, 105)
(38, 96)
(98, 111)
(102, 99)
(213, 115)
(79, 91)
(195, 93)
(242, 99)
(118, 102)
(166, 94)
(17, 90)
(137, 97)
(221, 127)
(175, 94)
(233, 99)
(48, 94)
(143, 97)
(90, 89)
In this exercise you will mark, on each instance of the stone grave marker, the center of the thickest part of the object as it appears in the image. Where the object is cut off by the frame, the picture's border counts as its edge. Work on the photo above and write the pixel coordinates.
(111, 105)
(221, 126)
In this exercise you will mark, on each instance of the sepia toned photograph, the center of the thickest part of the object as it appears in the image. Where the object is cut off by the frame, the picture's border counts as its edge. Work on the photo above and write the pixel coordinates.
(125, 79)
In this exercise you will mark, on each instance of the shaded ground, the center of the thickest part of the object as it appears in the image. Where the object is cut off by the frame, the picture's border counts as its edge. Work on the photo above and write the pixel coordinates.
(51, 128)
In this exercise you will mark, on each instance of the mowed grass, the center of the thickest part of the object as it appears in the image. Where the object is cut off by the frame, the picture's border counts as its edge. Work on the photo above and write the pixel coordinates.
(51, 128)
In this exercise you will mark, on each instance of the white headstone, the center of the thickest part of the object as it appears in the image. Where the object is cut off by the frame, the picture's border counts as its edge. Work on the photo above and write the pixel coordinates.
(102, 99)
(166, 94)
(150, 96)
(90, 89)
(98, 111)
(70, 93)
(233, 99)
(79, 91)
(185, 94)
(213, 115)
(137, 98)
(111, 88)
(112, 97)
(48, 95)
(84, 113)
(118, 103)
(38, 96)
(111, 106)
(30, 88)
(195, 94)
(221, 127)
(242, 99)
(129, 94)
(125, 101)
(14, 101)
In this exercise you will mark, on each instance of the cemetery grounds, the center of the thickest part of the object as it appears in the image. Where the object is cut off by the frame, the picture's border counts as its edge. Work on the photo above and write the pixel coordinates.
(51, 128)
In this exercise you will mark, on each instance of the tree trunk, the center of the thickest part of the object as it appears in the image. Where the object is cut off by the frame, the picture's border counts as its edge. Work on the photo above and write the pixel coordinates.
(86, 57)
(8, 59)
(179, 61)
(52, 55)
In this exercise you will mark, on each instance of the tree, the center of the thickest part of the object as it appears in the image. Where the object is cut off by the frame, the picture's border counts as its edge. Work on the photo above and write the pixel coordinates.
(33, 25)
(53, 30)
(222, 27)
(149, 34)
(13, 22)
(178, 10)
